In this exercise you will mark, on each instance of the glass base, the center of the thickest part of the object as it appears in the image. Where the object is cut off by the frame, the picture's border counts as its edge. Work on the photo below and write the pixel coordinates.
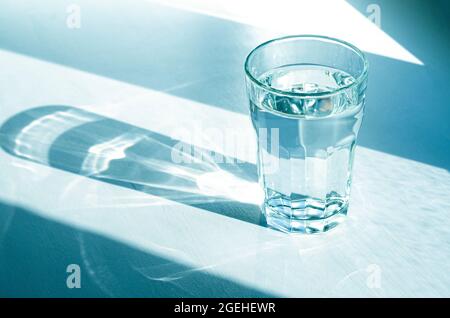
(296, 222)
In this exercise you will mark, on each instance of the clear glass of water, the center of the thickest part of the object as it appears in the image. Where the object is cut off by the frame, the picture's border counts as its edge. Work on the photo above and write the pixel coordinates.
(306, 103)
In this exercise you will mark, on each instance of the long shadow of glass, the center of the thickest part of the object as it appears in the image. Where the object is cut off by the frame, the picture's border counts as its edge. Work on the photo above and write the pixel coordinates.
(107, 267)
(105, 149)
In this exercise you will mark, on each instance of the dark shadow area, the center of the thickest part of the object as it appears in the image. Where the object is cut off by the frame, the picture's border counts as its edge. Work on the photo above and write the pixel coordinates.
(407, 112)
(407, 105)
(108, 150)
(187, 54)
(35, 253)
(422, 27)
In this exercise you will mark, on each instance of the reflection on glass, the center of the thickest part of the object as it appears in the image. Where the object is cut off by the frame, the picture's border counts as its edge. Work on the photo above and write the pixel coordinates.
(307, 102)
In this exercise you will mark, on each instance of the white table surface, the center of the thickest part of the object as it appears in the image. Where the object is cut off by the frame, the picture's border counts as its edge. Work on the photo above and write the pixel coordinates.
(88, 119)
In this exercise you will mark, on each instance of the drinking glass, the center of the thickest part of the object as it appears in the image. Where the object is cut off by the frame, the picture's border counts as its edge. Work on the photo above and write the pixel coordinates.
(306, 98)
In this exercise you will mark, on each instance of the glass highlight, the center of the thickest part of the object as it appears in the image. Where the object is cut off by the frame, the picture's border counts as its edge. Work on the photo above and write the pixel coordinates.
(306, 97)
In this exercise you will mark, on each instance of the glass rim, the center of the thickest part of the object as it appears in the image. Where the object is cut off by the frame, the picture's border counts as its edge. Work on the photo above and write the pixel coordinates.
(360, 78)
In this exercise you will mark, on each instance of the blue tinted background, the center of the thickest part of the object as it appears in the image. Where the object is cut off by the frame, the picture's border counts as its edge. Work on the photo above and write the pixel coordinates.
(86, 119)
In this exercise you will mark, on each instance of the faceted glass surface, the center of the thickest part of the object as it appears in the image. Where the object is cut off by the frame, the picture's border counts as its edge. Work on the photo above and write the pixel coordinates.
(306, 117)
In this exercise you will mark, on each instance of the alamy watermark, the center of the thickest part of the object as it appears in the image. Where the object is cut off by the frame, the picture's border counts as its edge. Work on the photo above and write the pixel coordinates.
(374, 11)
(231, 141)
(374, 276)
(73, 280)
(73, 20)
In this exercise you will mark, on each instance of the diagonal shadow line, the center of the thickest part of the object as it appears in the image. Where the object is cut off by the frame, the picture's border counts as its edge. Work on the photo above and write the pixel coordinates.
(205, 65)
(415, 26)
(115, 152)
(108, 268)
